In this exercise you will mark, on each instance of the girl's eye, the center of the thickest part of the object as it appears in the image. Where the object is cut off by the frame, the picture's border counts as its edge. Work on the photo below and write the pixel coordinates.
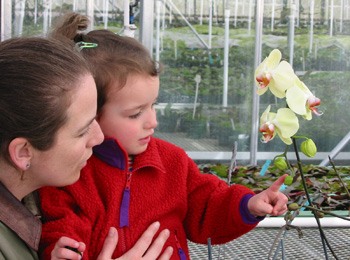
(85, 132)
(136, 115)
(154, 104)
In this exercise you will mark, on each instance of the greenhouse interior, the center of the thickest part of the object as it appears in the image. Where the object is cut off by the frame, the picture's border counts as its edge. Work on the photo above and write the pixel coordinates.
(208, 102)
(209, 51)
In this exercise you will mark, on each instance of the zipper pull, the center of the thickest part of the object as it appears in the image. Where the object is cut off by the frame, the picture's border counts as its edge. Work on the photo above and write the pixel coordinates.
(180, 251)
(124, 207)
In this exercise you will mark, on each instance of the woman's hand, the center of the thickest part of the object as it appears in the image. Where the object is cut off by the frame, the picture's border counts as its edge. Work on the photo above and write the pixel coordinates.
(142, 245)
(137, 252)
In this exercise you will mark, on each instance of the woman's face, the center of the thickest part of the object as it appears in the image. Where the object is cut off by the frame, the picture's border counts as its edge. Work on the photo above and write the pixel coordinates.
(61, 164)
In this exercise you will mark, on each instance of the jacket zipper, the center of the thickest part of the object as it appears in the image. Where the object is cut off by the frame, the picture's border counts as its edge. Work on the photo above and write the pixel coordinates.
(124, 212)
(125, 205)
(122, 240)
(180, 251)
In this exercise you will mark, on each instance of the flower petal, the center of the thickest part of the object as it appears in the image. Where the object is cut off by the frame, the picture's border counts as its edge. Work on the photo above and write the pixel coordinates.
(286, 140)
(286, 122)
(283, 78)
(274, 59)
(265, 115)
(296, 100)
(261, 91)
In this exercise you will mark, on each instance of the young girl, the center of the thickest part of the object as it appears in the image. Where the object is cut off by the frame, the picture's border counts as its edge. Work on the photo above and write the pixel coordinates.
(133, 179)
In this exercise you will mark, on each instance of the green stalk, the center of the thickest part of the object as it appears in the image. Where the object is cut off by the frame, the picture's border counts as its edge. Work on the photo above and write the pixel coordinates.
(338, 175)
(326, 212)
(323, 236)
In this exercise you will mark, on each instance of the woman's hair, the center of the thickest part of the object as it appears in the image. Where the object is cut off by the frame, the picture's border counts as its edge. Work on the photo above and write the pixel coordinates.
(115, 57)
(36, 79)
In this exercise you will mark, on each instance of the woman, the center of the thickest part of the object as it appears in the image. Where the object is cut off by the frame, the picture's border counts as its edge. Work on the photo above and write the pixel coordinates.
(48, 105)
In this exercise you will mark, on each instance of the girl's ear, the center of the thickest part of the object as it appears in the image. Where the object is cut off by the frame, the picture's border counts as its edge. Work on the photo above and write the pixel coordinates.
(20, 151)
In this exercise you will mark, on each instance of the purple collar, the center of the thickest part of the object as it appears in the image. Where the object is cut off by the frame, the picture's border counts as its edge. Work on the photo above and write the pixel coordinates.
(111, 153)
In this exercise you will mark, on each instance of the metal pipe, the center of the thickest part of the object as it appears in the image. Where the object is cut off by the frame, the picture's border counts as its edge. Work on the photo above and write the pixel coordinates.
(291, 33)
(257, 59)
(236, 11)
(158, 3)
(331, 19)
(201, 14)
(6, 19)
(250, 17)
(105, 13)
(210, 23)
(146, 23)
(336, 149)
(226, 54)
(126, 14)
(45, 17)
(272, 15)
(22, 5)
(90, 13)
(312, 7)
(341, 15)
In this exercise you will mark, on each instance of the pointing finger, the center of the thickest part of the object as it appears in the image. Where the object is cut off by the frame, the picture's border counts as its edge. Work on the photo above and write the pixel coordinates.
(275, 187)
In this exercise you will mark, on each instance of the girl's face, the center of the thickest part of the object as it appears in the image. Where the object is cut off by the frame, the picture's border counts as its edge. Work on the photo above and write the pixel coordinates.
(129, 114)
(61, 164)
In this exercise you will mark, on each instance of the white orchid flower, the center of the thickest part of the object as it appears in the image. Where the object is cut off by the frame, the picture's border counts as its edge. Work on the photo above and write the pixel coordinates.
(300, 99)
(284, 123)
(274, 75)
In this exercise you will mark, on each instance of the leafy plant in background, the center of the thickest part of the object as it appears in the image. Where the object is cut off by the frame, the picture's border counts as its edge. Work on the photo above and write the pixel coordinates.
(279, 77)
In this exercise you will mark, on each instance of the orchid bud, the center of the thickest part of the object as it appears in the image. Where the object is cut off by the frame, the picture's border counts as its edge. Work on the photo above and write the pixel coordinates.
(293, 206)
(319, 214)
(288, 180)
(308, 148)
(281, 164)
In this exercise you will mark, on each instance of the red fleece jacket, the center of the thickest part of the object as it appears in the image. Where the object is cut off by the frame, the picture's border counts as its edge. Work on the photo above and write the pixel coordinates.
(166, 186)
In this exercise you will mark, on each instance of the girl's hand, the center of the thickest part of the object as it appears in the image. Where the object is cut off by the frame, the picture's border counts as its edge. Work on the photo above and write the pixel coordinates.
(270, 201)
(61, 252)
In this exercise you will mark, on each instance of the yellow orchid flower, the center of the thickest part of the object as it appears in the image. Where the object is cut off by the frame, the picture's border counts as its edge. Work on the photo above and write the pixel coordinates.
(284, 123)
(274, 75)
(300, 99)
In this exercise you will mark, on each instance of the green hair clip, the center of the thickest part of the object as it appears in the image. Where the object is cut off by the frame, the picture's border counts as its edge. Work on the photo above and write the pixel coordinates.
(81, 45)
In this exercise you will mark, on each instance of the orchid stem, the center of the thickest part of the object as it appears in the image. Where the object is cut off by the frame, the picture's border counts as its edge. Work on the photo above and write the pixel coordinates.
(323, 236)
(288, 164)
(326, 212)
(341, 180)
(299, 137)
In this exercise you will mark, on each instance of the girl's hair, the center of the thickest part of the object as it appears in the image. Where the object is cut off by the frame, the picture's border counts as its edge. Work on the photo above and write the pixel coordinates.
(36, 79)
(115, 57)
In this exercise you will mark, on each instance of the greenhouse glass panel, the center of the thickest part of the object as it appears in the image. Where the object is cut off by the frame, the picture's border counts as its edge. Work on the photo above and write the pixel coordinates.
(207, 51)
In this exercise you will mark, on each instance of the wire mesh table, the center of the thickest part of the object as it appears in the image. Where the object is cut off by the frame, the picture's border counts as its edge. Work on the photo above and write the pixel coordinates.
(256, 245)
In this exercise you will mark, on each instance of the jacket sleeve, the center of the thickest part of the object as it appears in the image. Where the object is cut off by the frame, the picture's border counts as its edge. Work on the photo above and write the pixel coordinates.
(213, 208)
(61, 217)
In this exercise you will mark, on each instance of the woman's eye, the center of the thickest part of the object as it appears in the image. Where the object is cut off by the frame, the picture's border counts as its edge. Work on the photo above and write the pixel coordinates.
(154, 104)
(85, 132)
